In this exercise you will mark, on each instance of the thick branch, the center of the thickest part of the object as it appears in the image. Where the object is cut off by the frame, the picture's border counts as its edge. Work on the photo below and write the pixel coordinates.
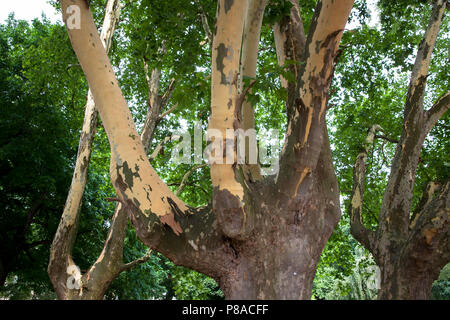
(416, 90)
(305, 133)
(230, 195)
(290, 42)
(427, 195)
(249, 57)
(109, 262)
(428, 244)
(149, 199)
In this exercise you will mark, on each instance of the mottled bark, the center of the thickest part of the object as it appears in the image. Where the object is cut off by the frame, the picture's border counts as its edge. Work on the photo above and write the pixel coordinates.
(410, 249)
(259, 239)
(230, 194)
(306, 121)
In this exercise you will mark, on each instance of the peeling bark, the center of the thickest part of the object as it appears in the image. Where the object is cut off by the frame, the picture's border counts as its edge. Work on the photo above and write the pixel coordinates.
(395, 210)
(290, 43)
(135, 181)
(304, 140)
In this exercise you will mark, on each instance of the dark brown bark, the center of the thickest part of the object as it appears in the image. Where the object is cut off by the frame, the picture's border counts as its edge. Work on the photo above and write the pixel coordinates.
(410, 271)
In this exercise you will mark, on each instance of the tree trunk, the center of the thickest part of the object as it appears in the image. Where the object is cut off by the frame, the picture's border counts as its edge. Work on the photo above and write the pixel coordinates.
(399, 282)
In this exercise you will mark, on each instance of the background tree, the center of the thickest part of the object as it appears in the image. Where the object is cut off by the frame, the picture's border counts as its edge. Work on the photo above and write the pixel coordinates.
(399, 243)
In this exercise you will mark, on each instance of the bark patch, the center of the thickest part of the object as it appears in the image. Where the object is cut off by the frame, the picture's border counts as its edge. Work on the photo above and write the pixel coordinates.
(230, 213)
(228, 5)
(222, 53)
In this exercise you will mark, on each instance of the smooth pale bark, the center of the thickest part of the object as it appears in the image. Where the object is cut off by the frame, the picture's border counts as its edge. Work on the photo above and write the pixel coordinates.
(410, 251)
(230, 197)
(109, 264)
(249, 58)
(260, 240)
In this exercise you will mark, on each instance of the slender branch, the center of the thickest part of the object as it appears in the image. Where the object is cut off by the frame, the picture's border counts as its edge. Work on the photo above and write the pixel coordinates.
(437, 111)
(167, 94)
(154, 105)
(130, 265)
(158, 149)
(386, 138)
(186, 177)
(358, 230)
(37, 243)
(169, 111)
(205, 24)
(62, 245)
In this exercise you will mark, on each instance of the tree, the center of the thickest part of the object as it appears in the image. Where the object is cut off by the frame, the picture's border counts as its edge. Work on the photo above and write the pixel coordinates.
(409, 246)
(295, 212)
